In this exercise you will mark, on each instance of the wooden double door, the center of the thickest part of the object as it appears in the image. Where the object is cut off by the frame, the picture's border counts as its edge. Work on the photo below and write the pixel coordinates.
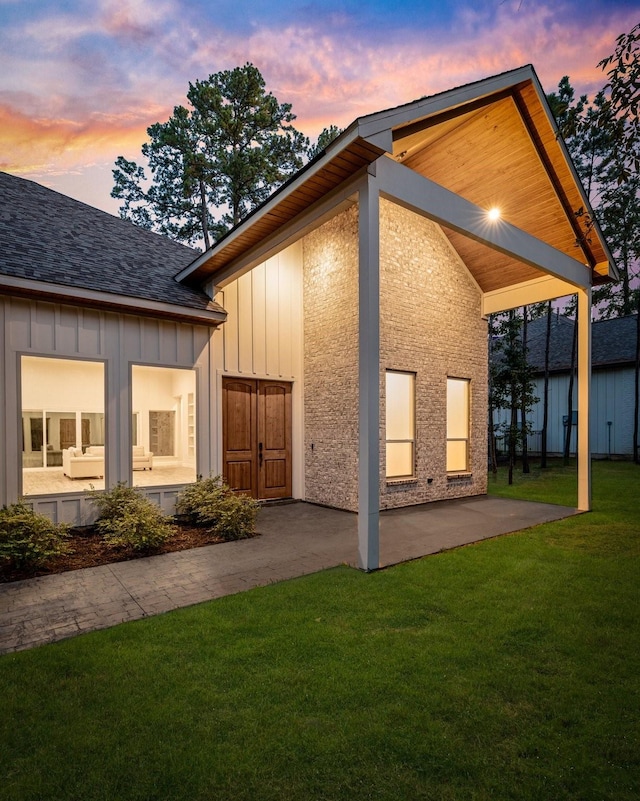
(256, 433)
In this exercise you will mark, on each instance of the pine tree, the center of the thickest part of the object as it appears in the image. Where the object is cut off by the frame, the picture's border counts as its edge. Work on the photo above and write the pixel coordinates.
(210, 164)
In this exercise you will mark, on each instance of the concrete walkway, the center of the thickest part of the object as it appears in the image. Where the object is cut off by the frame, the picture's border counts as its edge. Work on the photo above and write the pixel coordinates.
(297, 539)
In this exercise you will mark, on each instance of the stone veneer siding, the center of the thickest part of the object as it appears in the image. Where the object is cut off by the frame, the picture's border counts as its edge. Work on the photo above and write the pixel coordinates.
(430, 324)
(330, 298)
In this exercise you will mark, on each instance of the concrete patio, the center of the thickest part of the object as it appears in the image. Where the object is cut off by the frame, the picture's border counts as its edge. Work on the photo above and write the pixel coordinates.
(296, 539)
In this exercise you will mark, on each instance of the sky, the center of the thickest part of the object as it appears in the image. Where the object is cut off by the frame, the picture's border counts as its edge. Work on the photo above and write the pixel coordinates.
(81, 80)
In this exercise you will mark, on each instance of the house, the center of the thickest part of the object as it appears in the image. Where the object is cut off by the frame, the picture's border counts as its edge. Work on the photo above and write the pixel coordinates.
(332, 347)
(613, 359)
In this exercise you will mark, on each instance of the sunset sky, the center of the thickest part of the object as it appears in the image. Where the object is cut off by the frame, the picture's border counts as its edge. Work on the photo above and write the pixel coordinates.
(81, 80)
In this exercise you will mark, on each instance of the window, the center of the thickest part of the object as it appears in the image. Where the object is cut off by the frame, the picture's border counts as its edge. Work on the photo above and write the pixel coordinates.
(63, 425)
(457, 425)
(163, 425)
(400, 424)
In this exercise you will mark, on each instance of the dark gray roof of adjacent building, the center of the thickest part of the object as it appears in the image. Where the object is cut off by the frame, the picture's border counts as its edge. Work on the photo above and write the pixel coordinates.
(613, 342)
(48, 237)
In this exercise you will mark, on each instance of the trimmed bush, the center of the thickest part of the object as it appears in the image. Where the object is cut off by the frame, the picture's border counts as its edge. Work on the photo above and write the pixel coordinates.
(127, 518)
(28, 539)
(212, 505)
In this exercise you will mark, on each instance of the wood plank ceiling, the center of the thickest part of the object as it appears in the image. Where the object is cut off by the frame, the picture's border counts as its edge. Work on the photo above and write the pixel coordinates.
(495, 156)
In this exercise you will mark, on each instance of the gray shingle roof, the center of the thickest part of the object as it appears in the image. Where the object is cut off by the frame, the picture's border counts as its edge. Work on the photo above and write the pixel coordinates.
(46, 236)
(613, 342)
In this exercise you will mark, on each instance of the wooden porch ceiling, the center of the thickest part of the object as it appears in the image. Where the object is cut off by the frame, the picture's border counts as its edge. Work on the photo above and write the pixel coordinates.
(522, 171)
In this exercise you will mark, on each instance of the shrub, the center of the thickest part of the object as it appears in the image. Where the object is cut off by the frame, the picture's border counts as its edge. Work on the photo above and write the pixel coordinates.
(126, 517)
(28, 539)
(214, 506)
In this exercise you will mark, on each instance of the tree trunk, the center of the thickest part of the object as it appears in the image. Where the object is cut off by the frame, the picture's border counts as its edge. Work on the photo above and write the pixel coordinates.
(545, 400)
(523, 404)
(567, 439)
(636, 405)
(204, 218)
(513, 427)
(493, 460)
(513, 424)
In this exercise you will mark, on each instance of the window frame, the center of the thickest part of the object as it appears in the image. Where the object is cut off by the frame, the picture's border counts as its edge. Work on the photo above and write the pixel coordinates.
(467, 425)
(401, 441)
(141, 414)
(52, 410)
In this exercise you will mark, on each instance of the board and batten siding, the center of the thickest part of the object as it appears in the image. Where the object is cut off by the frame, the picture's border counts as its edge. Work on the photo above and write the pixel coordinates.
(612, 399)
(262, 338)
(118, 341)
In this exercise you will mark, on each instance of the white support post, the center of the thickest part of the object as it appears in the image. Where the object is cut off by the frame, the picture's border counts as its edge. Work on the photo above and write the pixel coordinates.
(369, 376)
(584, 392)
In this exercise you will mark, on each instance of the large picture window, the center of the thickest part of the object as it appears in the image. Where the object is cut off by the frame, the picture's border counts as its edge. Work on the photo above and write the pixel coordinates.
(63, 425)
(400, 424)
(163, 425)
(457, 425)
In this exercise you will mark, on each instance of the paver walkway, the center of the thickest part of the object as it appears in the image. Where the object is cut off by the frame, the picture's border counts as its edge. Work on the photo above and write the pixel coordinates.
(297, 539)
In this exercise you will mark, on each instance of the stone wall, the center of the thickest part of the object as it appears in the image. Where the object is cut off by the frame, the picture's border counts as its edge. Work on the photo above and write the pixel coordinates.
(330, 292)
(431, 325)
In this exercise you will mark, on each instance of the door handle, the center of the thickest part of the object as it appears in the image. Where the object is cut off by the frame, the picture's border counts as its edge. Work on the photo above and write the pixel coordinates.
(260, 453)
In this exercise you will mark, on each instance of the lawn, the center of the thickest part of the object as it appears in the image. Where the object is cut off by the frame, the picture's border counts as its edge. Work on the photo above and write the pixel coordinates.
(504, 670)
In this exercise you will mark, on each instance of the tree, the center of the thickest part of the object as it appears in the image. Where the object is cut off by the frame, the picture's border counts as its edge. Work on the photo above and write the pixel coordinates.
(623, 90)
(511, 381)
(326, 137)
(545, 402)
(602, 140)
(494, 367)
(224, 154)
(523, 396)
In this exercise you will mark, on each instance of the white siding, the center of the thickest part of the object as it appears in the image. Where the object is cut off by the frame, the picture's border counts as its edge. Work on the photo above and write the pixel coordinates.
(118, 341)
(263, 337)
(612, 399)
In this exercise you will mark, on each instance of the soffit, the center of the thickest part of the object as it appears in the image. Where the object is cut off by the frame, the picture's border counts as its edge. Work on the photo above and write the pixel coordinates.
(503, 152)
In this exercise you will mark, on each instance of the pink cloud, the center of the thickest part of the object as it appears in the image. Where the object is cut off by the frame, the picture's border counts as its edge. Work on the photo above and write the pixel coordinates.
(31, 145)
(139, 20)
(66, 106)
(334, 79)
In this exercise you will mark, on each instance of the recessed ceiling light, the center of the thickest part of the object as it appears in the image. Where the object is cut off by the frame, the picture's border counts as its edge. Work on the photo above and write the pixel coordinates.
(494, 214)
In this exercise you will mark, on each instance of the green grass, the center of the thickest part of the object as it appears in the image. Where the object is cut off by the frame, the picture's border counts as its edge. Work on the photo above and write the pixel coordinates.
(504, 670)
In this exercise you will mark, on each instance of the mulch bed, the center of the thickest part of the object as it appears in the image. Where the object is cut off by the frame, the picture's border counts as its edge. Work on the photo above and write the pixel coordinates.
(89, 550)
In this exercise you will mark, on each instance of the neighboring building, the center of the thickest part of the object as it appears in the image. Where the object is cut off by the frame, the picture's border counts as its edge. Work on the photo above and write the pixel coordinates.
(612, 385)
(344, 357)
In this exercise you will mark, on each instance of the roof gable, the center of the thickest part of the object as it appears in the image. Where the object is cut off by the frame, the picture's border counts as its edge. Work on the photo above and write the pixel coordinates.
(492, 142)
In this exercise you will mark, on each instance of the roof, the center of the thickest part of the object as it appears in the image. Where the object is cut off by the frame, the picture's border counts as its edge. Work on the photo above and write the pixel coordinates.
(52, 245)
(613, 342)
(490, 142)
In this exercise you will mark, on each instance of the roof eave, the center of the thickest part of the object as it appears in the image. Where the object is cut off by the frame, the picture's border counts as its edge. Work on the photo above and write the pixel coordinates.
(341, 143)
(613, 274)
(212, 316)
(417, 110)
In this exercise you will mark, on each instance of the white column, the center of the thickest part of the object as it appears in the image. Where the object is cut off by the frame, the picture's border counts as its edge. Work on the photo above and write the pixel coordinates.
(369, 376)
(584, 393)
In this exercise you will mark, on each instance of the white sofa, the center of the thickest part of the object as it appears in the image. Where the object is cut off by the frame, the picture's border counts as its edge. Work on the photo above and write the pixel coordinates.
(142, 459)
(90, 464)
(76, 464)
